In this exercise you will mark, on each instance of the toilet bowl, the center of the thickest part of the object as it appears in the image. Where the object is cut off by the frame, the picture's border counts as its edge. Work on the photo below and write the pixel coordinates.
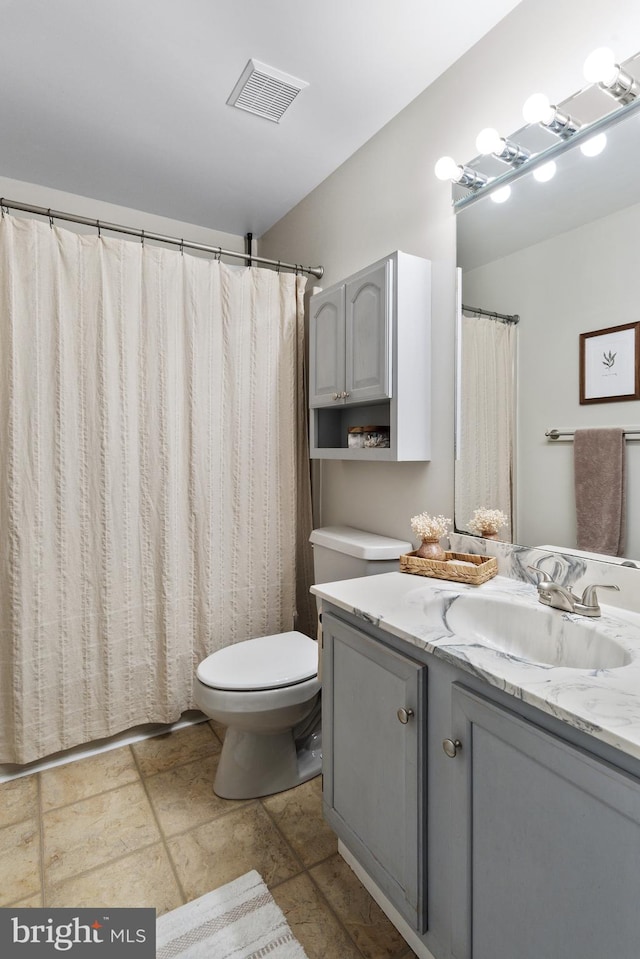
(263, 690)
(266, 690)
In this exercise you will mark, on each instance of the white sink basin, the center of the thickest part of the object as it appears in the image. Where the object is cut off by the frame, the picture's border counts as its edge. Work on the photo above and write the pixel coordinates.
(537, 634)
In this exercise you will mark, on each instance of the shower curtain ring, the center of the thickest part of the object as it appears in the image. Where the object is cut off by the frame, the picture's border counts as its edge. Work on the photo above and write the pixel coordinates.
(99, 229)
(2, 206)
(142, 237)
(182, 247)
(218, 254)
(278, 267)
(50, 218)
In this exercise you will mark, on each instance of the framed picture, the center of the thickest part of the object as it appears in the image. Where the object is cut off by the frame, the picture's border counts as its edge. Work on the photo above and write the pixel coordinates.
(610, 364)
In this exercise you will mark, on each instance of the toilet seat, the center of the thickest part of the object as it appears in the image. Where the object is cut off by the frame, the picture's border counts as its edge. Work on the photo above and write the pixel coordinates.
(268, 662)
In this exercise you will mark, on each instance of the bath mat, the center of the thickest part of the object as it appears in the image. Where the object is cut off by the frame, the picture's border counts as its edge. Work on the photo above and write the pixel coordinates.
(238, 921)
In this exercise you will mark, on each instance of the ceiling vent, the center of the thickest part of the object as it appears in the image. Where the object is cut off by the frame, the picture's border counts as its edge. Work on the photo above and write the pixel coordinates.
(265, 91)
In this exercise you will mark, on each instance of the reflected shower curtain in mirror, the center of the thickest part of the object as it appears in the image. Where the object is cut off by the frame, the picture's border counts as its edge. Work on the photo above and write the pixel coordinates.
(484, 469)
(154, 494)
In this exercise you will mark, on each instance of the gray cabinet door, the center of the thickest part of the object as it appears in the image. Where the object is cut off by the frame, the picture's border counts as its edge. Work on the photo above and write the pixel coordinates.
(327, 348)
(368, 340)
(547, 843)
(374, 765)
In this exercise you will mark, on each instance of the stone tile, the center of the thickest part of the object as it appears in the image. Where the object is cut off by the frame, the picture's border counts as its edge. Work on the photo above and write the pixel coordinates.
(184, 798)
(78, 780)
(175, 748)
(229, 846)
(20, 875)
(144, 878)
(312, 922)
(298, 815)
(31, 902)
(94, 831)
(18, 800)
(374, 935)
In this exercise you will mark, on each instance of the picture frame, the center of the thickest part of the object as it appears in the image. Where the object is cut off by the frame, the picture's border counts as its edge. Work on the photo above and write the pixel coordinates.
(610, 364)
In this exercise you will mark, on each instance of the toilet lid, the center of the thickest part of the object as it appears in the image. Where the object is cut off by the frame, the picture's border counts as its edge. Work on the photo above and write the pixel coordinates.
(268, 662)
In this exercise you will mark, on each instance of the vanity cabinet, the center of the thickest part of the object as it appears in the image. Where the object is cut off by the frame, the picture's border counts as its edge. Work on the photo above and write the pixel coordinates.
(369, 361)
(374, 724)
(527, 830)
(547, 846)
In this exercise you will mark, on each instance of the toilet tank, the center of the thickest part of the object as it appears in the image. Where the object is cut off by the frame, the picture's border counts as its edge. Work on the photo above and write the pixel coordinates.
(342, 552)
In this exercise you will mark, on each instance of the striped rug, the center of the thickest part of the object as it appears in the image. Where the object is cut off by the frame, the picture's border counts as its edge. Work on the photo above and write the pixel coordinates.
(237, 921)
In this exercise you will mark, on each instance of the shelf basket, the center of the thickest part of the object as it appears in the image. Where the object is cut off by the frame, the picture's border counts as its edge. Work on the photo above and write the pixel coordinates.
(484, 567)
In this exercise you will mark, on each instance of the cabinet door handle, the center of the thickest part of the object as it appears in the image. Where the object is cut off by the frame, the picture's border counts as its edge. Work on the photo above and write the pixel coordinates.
(336, 396)
(451, 747)
(345, 395)
(404, 715)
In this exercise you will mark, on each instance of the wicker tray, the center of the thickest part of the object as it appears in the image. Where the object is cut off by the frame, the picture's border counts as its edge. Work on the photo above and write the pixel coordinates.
(485, 567)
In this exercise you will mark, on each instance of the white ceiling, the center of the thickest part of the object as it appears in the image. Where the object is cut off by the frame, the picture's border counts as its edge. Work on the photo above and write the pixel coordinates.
(125, 100)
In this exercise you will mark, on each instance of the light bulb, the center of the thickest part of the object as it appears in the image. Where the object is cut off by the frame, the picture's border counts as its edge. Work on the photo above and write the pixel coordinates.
(594, 146)
(502, 194)
(489, 141)
(601, 67)
(537, 109)
(447, 169)
(545, 172)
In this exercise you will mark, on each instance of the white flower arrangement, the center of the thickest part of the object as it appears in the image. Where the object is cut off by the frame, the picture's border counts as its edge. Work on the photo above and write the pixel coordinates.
(487, 521)
(430, 527)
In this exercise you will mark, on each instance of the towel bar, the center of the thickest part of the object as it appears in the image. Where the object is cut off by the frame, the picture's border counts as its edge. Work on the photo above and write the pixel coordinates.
(556, 434)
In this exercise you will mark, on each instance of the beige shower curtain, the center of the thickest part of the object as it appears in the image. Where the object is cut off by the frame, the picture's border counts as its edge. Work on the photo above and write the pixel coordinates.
(154, 495)
(485, 466)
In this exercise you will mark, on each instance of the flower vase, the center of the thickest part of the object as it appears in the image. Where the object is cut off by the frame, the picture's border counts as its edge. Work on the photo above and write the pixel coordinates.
(431, 549)
(488, 534)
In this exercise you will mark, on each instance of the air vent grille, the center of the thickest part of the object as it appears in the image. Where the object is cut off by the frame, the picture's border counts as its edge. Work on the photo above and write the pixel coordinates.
(265, 91)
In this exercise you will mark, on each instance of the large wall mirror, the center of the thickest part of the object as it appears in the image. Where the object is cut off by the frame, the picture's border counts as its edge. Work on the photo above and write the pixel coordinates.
(563, 256)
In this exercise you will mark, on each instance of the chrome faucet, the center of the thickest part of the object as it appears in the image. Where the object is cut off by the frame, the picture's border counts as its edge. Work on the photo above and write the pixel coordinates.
(560, 597)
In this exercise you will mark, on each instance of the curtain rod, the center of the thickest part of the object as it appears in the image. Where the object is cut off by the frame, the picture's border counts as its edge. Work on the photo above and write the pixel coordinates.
(316, 271)
(556, 434)
(492, 315)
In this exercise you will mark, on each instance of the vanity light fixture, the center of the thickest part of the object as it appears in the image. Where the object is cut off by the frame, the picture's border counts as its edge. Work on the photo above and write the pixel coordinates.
(600, 67)
(501, 195)
(489, 141)
(447, 169)
(545, 172)
(594, 145)
(538, 109)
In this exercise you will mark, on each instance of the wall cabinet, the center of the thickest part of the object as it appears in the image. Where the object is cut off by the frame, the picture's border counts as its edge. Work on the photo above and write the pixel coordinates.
(374, 709)
(534, 839)
(369, 361)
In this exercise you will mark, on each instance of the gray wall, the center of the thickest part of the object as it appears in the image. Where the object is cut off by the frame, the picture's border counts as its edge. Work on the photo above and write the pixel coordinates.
(386, 197)
(36, 195)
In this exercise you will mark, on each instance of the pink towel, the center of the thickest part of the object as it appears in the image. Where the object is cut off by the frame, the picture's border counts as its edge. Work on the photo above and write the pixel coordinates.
(599, 468)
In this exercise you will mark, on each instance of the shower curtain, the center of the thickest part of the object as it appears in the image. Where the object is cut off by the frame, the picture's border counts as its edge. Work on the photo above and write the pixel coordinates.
(485, 466)
(154, 490)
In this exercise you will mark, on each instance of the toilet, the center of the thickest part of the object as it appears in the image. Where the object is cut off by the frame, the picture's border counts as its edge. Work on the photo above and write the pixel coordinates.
(266, 691)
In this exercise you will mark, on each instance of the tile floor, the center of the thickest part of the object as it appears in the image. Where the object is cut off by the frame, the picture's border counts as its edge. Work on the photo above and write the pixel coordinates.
(140, 825)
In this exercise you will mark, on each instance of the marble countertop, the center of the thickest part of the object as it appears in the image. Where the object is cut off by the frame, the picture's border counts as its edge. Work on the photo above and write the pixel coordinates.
(602, 702)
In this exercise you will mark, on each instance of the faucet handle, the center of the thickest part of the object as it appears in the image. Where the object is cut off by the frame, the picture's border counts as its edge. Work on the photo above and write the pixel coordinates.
(589, 605)
(544, 575)
(590, 597)
(546, 579)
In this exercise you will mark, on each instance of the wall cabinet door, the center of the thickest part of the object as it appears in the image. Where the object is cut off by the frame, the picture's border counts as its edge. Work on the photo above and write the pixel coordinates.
(327, 348)
(370, 362)
(368, 347)
(374, 769)
(546, 844)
